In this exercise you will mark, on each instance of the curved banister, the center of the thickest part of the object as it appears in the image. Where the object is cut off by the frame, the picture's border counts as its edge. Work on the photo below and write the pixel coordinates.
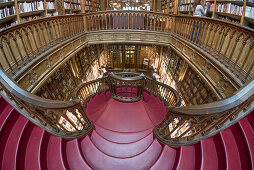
(190, 124)
(237, 98)
(49, 114)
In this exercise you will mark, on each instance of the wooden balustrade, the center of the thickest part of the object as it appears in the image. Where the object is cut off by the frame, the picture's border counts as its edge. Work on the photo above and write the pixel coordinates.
(165, 92)
(23, 42)
(88, 89)
(65, 119)
(190, 124)
(229, 43)
(137, 20)
(126, 86)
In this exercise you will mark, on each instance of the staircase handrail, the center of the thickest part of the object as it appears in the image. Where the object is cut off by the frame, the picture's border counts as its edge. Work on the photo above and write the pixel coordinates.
(44, 112)
(189, 124)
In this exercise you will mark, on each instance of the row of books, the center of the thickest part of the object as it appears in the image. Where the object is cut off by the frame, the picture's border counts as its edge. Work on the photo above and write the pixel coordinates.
(250, 0)
(229, 8)
(50, 5)
(75, 6)
(30, 18)
(88, 8)
(4, 1)
(5, 12)
(75, 1)
(3, 26)
(67, 5)
(30, 6)
(183, 8)
(87, 2)
(184, 2)
(209, 6)
(249, 12)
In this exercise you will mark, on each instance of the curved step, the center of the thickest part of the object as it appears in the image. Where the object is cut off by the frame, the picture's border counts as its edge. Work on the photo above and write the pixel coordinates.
(3, 104)
(98, 160)
(232, 154)
(32, 161)
(209, 155)
(166, 160)
(54, 156)
(6, 128)
(22, 147)
(186, 158)
(96, 105)
(12, 144)
(249, 137)
(119, 137)
(156, 117)
(121, 150)
(5, 115)
(74, 156)
(125, 117)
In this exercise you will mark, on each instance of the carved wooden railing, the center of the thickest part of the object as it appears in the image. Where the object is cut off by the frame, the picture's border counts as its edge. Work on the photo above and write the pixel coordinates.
(88, 89)
(23, 42)
(65, 119)
(166, 93)
(126, 86)
(229, 43)
(136, 20)
(190, 124)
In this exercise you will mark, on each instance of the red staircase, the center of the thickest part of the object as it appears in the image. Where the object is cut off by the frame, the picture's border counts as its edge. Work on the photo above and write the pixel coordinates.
(122, 139)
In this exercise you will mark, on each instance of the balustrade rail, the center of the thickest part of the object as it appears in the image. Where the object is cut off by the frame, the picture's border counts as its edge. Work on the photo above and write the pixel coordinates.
(137, 20)
(26, 41)
(229, 43)
(65, 119)
(190, 124)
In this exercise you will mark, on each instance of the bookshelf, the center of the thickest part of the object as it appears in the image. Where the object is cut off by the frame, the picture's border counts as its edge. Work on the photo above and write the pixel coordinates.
(92, 5)
(185, 7)
(72, 6)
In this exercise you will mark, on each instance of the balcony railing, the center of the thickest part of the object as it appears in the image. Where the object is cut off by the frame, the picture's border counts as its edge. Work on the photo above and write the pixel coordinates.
(229, 43)
(21, 43)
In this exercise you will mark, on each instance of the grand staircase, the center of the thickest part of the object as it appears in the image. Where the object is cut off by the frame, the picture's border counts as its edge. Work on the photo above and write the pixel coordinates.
(122, 139)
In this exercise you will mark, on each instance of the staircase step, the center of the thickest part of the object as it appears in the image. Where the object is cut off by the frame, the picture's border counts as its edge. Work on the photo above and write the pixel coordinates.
(98, 160)
(209, 155)
(12, 144)
(166, 160)
(119, 137)
(32, 161)
(249, 138)
(3, 104)
(74, 156)
(186, 158)
(120, 149)
(54, 156)
(5, 116)
(232, 154)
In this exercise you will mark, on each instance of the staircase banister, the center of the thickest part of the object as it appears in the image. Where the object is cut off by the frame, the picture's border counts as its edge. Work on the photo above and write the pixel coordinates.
(82, 84)
(178, 99)
(30, 98)
(239, 97)
(135, 78)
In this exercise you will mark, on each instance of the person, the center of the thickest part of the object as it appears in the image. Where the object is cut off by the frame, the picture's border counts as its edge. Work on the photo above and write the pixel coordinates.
(198, 9)
(199, 12)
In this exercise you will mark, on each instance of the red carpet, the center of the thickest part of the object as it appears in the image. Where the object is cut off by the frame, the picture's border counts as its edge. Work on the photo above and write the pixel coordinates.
(122, 139)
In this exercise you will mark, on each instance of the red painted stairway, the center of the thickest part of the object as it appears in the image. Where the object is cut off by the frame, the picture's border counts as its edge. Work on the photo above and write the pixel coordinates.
(122, 139)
